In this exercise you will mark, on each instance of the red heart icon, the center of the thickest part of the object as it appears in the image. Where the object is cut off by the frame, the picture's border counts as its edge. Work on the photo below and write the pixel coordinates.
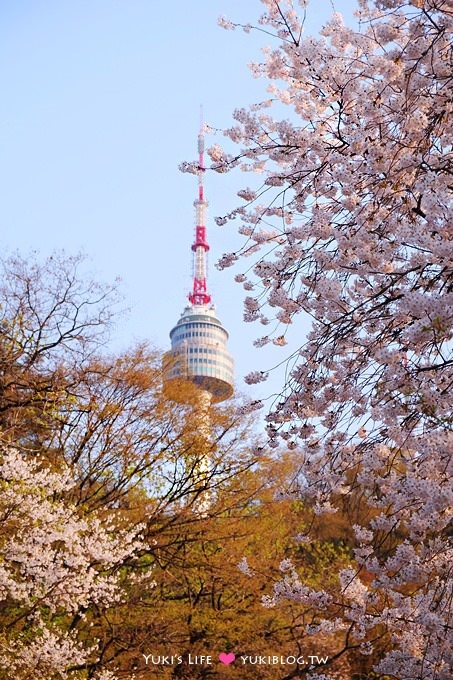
(227, 658)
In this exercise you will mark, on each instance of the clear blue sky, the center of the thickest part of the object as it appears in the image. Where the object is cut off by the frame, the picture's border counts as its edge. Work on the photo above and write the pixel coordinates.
(100, 104)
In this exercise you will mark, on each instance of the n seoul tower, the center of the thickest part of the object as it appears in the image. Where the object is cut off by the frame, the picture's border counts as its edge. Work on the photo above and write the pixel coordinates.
(199, 352)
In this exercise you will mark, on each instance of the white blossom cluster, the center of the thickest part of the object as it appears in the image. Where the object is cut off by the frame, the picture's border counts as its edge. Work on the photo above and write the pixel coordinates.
(53, 563)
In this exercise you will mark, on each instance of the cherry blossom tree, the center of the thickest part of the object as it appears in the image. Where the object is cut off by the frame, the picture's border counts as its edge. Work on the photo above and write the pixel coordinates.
(56, 563)
(348, 228)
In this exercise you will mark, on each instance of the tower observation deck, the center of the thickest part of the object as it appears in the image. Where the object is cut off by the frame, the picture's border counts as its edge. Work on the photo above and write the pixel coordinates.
(199, 352)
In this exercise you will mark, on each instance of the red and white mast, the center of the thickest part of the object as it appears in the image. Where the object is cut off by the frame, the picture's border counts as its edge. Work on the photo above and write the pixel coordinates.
(199, 294)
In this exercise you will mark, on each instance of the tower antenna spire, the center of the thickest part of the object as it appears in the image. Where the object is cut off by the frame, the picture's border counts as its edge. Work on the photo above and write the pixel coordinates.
(199, 294)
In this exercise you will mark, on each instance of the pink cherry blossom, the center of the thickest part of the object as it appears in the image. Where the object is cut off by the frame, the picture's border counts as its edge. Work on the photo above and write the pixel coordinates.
(358, 212)
(53, 556)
